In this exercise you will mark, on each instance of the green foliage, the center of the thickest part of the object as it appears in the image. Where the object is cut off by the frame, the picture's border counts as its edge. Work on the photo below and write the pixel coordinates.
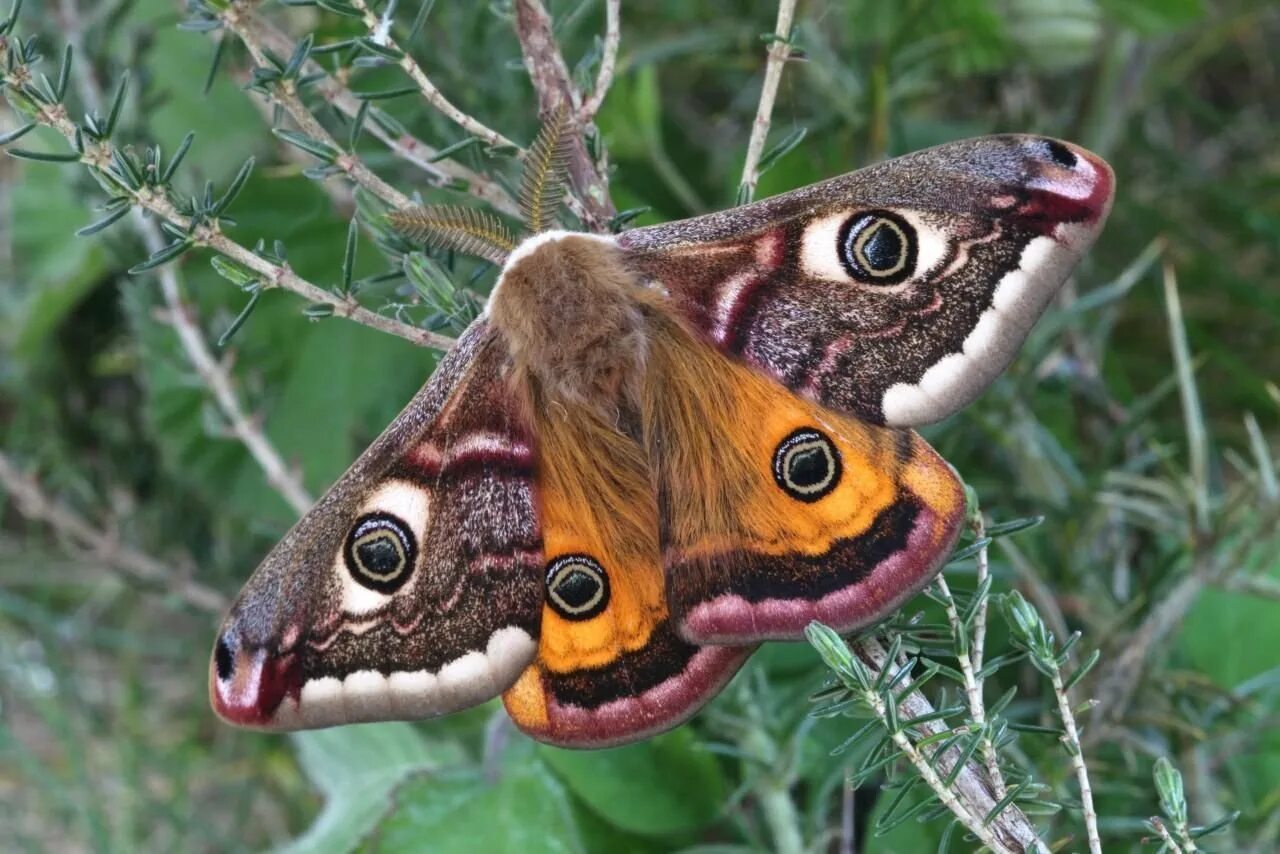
(1151, 587)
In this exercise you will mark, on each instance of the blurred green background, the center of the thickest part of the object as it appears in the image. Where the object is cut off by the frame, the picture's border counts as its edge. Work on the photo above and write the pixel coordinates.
(106, 738)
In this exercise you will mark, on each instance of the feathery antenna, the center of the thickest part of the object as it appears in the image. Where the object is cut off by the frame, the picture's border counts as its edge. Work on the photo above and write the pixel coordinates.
(462, 229)
(542, 182)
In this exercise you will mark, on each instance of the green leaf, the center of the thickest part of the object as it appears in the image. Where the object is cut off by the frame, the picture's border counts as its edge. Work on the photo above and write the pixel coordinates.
(1154, 17)
(901, 836)
(53, 271)
(1173, 801)
(781, 149)
(17, 133)
(357, 770)
(312, 146)
(161, 256)
(662, 786)
(1013, 526)
(237, 184)
(523, 807)
(240, 319)
(43, 156)
(104, 222)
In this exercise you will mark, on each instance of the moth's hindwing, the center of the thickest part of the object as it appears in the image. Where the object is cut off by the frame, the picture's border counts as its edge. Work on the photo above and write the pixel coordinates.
(611, 667)
(896, 293)
(413, 587)
(781, 512)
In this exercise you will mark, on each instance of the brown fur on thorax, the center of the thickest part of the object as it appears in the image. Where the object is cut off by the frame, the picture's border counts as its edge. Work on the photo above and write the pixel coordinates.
(574, 318)
(623, 397)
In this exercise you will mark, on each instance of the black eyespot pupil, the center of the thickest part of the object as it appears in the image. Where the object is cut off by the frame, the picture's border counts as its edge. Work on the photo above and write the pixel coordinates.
(379, 555)
(1060, 154)
(380, 552)
(808, 467)
(883, 249)
(878, 248)
(223, 659)
(577, 588)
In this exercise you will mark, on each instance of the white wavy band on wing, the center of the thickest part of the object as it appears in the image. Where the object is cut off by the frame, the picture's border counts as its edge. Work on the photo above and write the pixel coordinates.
(1018, 301)
(368, 695)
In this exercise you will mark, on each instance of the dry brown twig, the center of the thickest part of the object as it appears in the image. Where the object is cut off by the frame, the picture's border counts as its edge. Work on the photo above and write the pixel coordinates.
(212, 373)
(33, 503)
(215, 376)
(551, 80)
(608, 62)
(779, 51)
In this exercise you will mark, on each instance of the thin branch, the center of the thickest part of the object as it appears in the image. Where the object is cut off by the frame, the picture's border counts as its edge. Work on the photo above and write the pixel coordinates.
(779, 51)
(99, 157)
(1254, 585)
(972, 684)
(608, 62)
(214, 375)
(871, 651)
(1011, 827)
(217, 379)
(1072, 742)
(33, 503)
(979, 530)
(429, 90)
(1165, 836)
(551, 80)
(252, 29)
(285, 93)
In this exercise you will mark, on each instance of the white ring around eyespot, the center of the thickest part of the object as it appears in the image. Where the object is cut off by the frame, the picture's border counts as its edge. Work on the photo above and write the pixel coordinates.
(402, 499)
(820, 249)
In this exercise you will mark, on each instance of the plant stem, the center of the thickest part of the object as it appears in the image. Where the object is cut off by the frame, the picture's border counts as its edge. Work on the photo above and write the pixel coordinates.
(1012, 829)
(783, 820)
(973, 823)
(550, 77)
(285, 93)
(250, 28)
(608, 62)
(778, 53)
(972, 686)
(99, 156)
(1165, 836)
(212, 373)
(217, 379)
(433, 95)
(1074, 748)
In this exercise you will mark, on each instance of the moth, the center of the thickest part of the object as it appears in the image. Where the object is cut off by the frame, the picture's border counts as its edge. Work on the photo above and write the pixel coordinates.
(653, 451)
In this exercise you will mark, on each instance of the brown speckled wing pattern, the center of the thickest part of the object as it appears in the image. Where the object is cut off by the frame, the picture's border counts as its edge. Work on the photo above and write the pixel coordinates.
(791, 343)
(741, 279)
(457, 467)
